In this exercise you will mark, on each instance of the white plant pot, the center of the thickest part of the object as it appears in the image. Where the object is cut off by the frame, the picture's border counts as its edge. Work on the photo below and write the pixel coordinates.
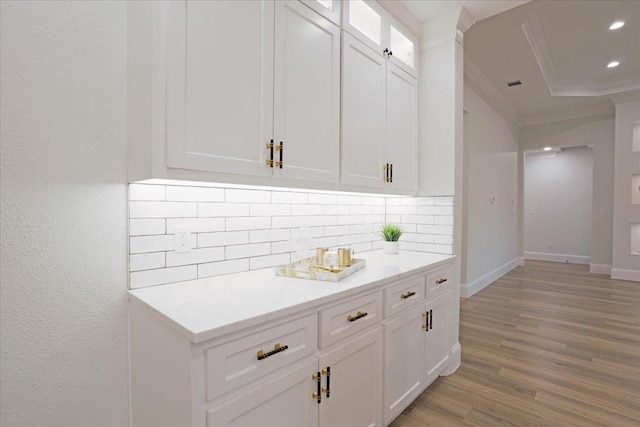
(391, 247)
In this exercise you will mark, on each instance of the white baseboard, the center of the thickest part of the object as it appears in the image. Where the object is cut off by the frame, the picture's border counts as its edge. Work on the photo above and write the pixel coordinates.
(455, 359)
(621, 274)
(600, 269)
(543, 256)
(520, 261)
(468, 289)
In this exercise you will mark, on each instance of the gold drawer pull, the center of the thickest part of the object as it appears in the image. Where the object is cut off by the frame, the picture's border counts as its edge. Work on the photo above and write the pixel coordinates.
(276, 349)
(360, 315)
(407, 295)
(440, 281)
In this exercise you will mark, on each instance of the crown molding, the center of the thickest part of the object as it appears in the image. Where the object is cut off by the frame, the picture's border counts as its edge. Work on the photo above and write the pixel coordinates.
(568, 87)
(479, 81)
(600, 109)
(446, 28)
(626, 97)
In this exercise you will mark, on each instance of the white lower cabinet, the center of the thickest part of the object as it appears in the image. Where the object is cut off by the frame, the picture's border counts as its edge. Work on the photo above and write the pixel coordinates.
(338, 364)
(416, 352)
(283, 402)
(354, 383)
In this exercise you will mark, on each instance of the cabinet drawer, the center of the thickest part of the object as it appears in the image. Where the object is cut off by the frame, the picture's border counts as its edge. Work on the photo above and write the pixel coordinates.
(404, 294)
(236, 363)
(350, 317)
(439, 281)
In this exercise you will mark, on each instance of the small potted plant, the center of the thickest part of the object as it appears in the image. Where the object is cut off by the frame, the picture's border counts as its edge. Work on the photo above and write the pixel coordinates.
(391, 234)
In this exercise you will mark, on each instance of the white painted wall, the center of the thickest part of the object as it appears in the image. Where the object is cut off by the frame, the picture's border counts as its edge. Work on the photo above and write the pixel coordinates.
(626, 265)
(598, 131)
(557, 206)
(63, 220)
(491, 194)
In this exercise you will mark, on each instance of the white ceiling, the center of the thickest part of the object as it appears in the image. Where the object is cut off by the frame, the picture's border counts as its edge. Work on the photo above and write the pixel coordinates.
(558, 49)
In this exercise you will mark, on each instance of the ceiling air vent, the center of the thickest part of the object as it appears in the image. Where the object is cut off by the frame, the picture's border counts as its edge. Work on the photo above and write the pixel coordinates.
(514, 83)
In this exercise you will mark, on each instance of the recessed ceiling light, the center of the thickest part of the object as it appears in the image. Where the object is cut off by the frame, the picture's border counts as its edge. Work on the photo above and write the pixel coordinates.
(613, 64)
(547, 148)
(616, 25)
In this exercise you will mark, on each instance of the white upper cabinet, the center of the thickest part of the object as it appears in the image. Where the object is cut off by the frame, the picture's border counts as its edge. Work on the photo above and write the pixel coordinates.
(307, 94)
(243, 73)
(363, 114)
(379, 145)
(402, 129)
(330, 9)
(374, 26)
(219, 85)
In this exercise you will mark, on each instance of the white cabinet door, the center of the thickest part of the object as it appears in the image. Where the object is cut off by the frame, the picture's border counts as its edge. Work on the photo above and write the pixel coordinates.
(307, 94)
(402, 128)
(355, 383)
(436, 344)
(330, 9)
(284, 402)
(219, 85)
(363, 114)
(403, 361)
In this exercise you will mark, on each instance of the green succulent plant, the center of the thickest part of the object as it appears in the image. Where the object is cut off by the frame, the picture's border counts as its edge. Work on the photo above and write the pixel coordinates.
(391, 232)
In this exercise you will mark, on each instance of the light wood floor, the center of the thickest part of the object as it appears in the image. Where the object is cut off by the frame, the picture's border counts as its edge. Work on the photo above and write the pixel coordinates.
(548, 344)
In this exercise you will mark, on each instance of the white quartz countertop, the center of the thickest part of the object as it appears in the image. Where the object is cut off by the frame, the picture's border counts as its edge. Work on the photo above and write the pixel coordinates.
(208, 308)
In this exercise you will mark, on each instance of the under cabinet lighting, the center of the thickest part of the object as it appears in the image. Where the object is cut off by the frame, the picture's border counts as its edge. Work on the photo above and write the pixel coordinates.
(616, 25)
(613, 64)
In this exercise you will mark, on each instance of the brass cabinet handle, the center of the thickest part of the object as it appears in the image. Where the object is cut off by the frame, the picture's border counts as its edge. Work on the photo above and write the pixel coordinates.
(276, 349)
(440, 281)
(318, 393)
(407, 295)
(327, 389)
(270, 160)
(360, 315)
(391, 170)
(430, 319)
(281, 149)
(426, 325)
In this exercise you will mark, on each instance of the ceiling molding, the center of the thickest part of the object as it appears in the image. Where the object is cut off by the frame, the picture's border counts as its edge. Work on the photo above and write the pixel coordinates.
(478, 81)
(601, 109)
(465, 21)
(439, 30)
(568, 87)
(626, 97)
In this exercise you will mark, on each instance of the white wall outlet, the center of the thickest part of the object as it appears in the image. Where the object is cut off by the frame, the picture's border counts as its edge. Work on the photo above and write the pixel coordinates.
(182, 240)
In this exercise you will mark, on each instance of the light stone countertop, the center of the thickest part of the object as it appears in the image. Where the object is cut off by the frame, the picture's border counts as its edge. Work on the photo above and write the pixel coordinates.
(208, 308)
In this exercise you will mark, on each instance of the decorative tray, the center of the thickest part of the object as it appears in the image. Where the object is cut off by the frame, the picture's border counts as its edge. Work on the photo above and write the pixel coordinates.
(306, 269)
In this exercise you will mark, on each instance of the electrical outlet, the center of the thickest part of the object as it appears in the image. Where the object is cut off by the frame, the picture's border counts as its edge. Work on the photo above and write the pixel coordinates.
(182, 240)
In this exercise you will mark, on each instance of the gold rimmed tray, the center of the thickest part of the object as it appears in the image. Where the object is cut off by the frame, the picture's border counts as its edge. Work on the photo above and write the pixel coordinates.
(308, 270)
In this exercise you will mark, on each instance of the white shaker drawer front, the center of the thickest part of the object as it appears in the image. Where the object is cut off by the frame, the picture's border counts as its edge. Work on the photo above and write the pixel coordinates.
(350, 317)
(238, 362)
(403, 295)
(439, 281)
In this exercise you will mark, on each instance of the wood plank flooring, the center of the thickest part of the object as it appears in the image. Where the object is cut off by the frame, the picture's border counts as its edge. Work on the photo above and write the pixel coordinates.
(548, 344)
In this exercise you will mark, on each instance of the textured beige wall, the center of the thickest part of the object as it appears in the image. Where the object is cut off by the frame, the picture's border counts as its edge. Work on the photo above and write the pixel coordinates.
(63, 219)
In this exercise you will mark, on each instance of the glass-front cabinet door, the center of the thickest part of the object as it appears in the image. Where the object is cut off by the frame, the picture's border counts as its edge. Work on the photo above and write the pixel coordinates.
(330, 9)
(374, 26)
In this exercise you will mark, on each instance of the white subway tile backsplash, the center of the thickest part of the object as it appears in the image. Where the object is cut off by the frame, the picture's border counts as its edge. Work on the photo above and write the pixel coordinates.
(146, 192)
(196, 225)
(257, 263)
(146, 227)
(289, 197)
(269, 210)
(323, 199)
(306, 210)
(195, 256)
(207, 210)
(162, 210)
(233, 230)
(248, 223)
(248, 251)
(143, 244)
(316, 221)
(212, 269)
(194, 194)
(247, 196)
(260, 236)
(436, 229)
(225, 238)
(161, 276)
(148, 261)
